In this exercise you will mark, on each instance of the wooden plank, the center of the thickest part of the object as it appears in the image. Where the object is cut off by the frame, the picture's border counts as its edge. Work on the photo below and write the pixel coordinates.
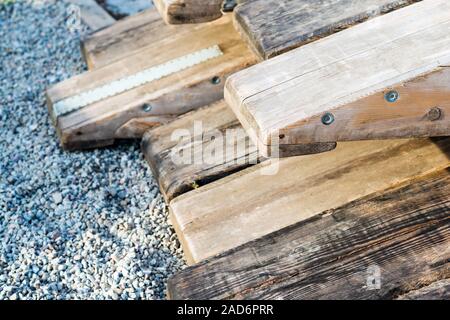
(439, 290)
(131, 113)
(379, 247)
(129, 35)
(351, 75)
(275, 194)
(189, 11)
(179, 153)
(200, 147)
(273, 27)
(93, 15)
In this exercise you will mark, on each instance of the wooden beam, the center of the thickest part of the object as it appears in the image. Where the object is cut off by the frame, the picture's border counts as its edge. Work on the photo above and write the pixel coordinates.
(378, 247)
(203, 146)
(439, 290)
(189, 11)
(128, 36)
(272, 27)
(93, 15)
(272, 195)
(128, 114)
(386, 78)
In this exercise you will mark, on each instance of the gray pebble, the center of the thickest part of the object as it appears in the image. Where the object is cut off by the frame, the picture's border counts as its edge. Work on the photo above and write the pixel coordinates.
(57, 198)
(67, 213)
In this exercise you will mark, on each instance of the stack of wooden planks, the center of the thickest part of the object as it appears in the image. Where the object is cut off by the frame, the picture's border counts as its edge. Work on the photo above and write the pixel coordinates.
(296, 159)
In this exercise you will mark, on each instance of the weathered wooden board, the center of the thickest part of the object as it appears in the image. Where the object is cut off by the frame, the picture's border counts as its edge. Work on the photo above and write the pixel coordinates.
(439, 290)
(129, 35)
(92, 14)
(131, 113)
(378, 247)
(272, 195)
(386, 78)
(272, 27)
(189, 11)
(180, 153)
(202, 146)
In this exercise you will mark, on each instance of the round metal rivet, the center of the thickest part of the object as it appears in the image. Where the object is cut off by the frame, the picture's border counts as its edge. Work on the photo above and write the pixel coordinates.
(215, 80)
(392, 96)
(147, 107)
(327, 119)
(434, 114)
(229, 5)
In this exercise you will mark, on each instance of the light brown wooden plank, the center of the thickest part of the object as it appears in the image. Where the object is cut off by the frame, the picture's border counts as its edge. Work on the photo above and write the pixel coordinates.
(379, 247)
(129, 35)
(272, 27)
(250, 204)
(182, 163)
(189, 11)
(203, 146)
(124, 115)
(348, 74)
(439, 290)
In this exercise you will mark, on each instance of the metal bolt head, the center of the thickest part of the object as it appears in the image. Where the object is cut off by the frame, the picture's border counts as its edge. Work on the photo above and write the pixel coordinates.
(392, 96)
(147, 107)
(229, 5)
(215, 80)
(434, 114)
(327, 118)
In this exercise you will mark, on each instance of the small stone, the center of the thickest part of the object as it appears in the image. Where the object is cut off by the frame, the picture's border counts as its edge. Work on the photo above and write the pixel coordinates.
(57, 198)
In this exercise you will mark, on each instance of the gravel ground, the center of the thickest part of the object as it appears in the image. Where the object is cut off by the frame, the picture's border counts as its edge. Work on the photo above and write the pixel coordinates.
(83, 225)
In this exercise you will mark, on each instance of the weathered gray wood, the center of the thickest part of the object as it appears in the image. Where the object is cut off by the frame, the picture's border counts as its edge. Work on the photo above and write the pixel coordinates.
(273, 195)
(189, 11)
(401, 234)
(127, 36)
(184, 163)
(212, 145)
(439, 290)
(351, 77)
(276, 26)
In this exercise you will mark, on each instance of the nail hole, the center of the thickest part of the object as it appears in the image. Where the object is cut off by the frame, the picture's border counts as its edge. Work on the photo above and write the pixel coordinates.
(282, 136)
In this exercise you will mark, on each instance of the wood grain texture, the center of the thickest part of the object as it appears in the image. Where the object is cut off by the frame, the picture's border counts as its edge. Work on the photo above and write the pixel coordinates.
(274, 27)
(439, 290)
(403, 233)
(129, 35)
(185, 162)
(189, 11)
(93, 15)
(98, 124)
(203, 146)
(272, 195)
(348, 74)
